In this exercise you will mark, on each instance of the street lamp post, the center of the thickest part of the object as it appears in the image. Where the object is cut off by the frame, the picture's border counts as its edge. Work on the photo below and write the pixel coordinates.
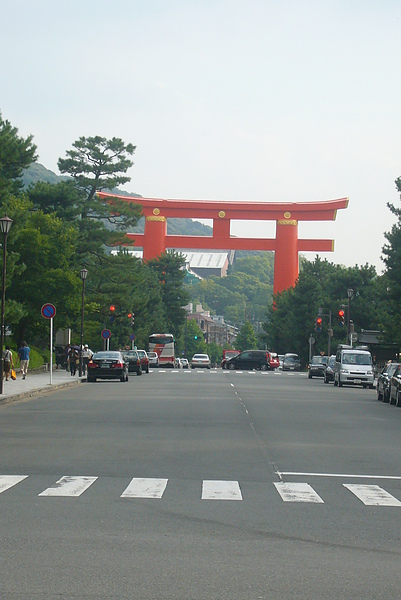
(83, 275)
(350, 294)
(5, 226)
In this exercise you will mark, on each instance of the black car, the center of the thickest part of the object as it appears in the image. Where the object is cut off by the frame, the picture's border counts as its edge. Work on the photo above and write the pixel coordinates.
(329, 370)
(317, 366)
(107, 365)
(384, 381)
(134, 362)
(249, 359)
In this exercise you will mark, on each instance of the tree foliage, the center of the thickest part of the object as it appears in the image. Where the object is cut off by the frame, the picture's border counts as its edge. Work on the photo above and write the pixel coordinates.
(323, 285)
(246, 338)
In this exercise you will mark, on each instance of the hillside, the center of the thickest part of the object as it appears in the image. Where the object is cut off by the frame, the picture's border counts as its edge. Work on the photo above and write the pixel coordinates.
(37, 172)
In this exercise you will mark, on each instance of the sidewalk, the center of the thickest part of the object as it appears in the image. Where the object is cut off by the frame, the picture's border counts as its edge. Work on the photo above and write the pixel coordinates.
(36, 382)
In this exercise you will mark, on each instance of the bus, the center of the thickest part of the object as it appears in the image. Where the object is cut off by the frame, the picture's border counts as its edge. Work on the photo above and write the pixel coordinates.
(163, 345)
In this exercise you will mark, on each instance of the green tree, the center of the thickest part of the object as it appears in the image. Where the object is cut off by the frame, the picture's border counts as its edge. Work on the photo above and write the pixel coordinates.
(391, 256)
(191, 340)
(246, 338)
(95, 164)
(16, 154)
(323, 285)
(170, 272)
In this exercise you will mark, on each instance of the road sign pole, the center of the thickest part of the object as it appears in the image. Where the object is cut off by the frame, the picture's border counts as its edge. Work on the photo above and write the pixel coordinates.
(51, 350)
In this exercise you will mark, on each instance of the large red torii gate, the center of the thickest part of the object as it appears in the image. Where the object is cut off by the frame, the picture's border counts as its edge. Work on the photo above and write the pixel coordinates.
(286, 244)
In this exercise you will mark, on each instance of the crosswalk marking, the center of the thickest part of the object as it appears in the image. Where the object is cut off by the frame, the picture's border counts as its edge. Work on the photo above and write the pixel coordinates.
(8, 481)
(141, 487)
(372, 495)
(297, 492)
(69, 486)
(221, 490)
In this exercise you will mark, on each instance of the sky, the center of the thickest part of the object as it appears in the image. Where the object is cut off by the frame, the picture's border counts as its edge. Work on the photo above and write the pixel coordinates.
(249, 100)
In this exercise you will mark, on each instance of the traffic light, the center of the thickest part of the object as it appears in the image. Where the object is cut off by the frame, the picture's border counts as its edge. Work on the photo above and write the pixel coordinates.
(319, 324)
(112, 309)
(195, 337)
(341, 317)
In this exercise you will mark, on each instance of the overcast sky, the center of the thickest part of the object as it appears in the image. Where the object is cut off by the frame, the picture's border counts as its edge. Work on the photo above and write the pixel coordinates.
(255, 100)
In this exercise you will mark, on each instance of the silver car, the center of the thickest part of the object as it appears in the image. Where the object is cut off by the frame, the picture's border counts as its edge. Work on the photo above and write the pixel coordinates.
(200, 361)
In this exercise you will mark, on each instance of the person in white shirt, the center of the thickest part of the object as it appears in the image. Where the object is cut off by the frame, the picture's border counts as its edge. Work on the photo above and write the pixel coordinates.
(86, 356)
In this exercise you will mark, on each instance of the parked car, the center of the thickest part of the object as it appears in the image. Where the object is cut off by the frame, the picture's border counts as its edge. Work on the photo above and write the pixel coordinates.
(184, 363)
(107, 365)
(134, 362)
(329, 370)
(144, 360)
(384, 381)
(250, 359)
(200, 360)
(395, 387)
(317, 366)
(291, 362)
(153, 359)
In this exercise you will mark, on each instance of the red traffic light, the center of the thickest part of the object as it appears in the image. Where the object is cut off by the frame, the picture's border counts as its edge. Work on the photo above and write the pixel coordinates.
(129, 315)
(112, 308)
(341, 313)
(319, 320)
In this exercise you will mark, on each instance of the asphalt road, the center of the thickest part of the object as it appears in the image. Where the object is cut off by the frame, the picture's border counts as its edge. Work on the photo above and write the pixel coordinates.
(201, 485)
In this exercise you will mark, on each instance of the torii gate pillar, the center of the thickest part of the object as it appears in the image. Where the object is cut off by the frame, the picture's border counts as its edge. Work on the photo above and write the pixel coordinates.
(286, 254)
(154, 241)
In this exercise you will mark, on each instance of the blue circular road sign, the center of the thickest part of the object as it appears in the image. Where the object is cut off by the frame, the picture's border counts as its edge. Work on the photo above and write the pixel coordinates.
(106, 334)
(48, 311)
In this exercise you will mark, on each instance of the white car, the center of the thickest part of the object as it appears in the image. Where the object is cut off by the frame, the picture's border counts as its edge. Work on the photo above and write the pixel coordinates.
(200, 361)
(153, 359)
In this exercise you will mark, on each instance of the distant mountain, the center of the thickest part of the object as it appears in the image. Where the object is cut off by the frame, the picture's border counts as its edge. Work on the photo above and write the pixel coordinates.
(37, 172)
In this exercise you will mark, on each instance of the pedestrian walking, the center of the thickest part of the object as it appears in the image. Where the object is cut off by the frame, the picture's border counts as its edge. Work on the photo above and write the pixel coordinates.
(7, 362)
(86, 356)
(74, 360)
(23, 355)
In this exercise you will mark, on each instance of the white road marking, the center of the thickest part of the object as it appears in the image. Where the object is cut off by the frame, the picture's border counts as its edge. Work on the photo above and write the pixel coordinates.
(372, 495)
(141, 487)
(297, 492)
(221, 490)
(344, 475)
(8, 481)
(69, 486)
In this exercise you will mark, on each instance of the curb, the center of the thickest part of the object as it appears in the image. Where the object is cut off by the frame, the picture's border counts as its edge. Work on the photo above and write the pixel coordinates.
(39, 391)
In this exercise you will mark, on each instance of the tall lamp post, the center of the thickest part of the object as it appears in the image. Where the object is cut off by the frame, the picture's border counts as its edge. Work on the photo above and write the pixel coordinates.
(350, 294)
(5, 226)
(83, 275)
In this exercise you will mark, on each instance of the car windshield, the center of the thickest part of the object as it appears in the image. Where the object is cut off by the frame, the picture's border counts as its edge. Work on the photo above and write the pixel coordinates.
(291, 358)
(319, 360)
(357, 359)
(131, 353)
(201, 356)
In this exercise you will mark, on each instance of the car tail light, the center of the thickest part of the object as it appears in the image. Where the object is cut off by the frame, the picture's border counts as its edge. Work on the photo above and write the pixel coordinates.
(91, 364)
(118, 365)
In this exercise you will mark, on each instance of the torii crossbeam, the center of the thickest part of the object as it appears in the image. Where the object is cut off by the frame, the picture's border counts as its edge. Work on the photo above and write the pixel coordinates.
(286, 244)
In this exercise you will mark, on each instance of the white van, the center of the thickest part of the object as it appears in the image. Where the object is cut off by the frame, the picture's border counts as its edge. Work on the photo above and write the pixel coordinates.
(353, 366)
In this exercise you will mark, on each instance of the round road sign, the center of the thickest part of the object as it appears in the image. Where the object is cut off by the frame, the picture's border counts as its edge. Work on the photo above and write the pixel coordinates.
(106, 334)
(48, 311)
